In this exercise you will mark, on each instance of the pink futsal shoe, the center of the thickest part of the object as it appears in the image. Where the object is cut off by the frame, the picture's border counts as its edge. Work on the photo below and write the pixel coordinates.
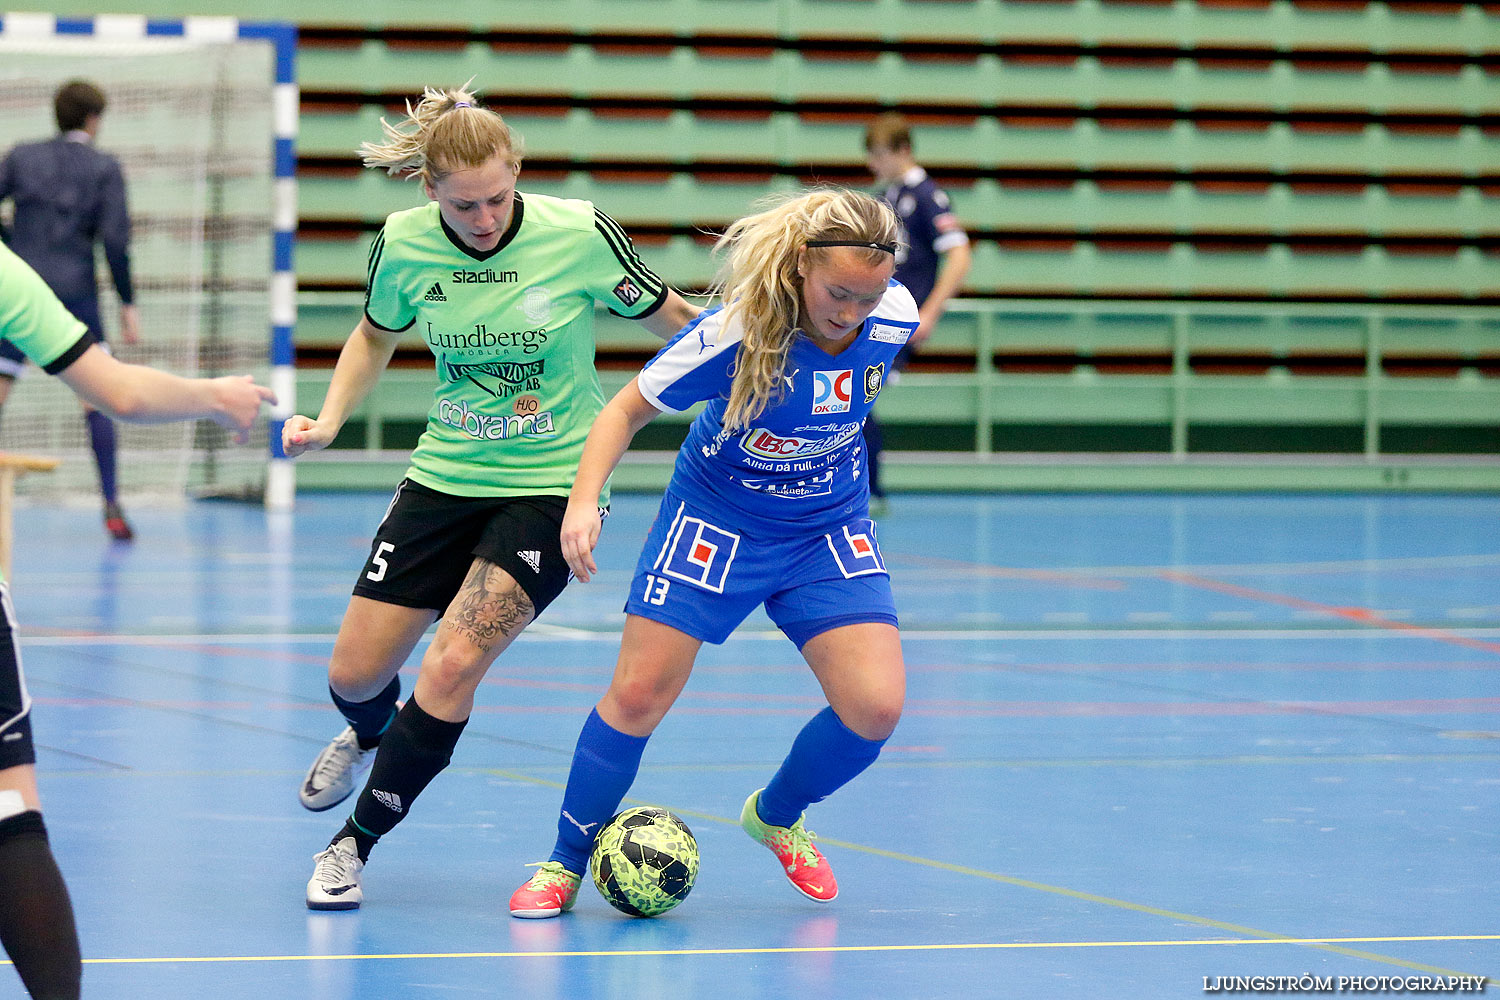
(804, 864)
(551, 892)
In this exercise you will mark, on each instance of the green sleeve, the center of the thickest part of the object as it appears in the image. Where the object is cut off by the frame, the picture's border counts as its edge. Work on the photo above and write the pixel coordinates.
(385, 306)
(617, 276)
(34, 320)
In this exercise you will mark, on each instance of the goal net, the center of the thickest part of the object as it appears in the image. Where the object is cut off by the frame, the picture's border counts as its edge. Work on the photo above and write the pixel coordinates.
(191, 123)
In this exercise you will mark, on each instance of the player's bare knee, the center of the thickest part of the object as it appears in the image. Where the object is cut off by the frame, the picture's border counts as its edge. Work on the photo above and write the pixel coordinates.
(453, 668)
(354, 681)
(876, 719)
(637, 702)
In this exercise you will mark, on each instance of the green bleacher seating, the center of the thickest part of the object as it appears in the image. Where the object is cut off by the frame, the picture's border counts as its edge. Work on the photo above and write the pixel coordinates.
(1265, 152)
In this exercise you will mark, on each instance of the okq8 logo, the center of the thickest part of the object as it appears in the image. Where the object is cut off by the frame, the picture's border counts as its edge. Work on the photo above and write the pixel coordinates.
(831, 391)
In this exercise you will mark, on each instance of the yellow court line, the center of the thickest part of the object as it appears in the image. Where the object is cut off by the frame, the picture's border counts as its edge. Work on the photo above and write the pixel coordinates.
(1331, 945)
(1057, 890)
(811, 949)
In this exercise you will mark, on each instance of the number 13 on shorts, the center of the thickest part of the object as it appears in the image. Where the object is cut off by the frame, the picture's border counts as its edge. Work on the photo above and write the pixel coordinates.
(656, 589)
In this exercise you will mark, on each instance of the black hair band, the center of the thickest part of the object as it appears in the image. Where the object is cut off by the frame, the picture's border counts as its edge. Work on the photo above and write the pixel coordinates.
(889, 248)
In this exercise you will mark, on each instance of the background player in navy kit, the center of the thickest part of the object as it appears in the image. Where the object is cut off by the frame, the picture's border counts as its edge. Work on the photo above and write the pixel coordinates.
(502, 287)
(69, 196)
(768, 504)
(935, 260)
(36, 917)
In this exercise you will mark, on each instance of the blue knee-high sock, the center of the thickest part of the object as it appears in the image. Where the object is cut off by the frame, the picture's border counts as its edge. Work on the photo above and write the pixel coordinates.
(605, 763)
(825, 757)
(102, 440)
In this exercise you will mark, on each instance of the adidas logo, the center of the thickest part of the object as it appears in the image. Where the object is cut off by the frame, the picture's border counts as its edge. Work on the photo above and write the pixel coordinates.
(390, 800)
(532, 558)
(435, 294)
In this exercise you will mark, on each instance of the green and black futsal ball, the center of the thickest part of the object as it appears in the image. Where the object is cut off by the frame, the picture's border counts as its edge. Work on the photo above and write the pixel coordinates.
(644, 861)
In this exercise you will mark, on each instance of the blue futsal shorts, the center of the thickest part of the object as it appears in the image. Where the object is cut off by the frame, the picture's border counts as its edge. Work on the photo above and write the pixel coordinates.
(703, 579)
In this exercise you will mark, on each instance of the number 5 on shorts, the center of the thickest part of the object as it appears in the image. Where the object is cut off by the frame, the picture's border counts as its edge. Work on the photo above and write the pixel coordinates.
(378, 561)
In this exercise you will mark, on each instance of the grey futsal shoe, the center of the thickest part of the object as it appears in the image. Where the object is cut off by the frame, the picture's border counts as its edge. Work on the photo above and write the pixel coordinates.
(332, 776)
(335, 880)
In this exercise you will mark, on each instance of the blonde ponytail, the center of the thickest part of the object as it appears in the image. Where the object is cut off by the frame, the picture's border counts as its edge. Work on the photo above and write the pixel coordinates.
(448, 130)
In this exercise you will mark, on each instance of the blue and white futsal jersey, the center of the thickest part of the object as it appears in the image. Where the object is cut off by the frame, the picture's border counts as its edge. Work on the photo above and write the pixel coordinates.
(775, 514)
(801, 463)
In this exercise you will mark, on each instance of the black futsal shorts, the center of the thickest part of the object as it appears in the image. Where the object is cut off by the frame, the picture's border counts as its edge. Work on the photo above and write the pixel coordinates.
(428, 541)
(15, 706)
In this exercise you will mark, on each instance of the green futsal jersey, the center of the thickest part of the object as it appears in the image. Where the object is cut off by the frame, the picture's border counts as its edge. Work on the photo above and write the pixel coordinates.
(512, 332)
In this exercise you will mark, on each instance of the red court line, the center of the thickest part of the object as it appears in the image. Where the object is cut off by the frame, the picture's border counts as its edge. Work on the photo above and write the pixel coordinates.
(1200, 666)
(1136, 709)
(1363, 616)
(241, 652)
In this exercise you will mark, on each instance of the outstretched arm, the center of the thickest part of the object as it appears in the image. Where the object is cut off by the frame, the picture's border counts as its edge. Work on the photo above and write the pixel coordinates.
(364, 356)
(147, 396)
(614, 428)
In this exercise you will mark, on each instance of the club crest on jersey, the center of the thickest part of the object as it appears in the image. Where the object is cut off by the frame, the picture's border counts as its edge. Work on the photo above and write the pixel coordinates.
(831, 391)
(874, 378)
(536, 303)
(628, 291)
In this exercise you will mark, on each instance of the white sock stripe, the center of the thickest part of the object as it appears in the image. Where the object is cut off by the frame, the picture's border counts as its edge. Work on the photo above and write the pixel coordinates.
(11, 804)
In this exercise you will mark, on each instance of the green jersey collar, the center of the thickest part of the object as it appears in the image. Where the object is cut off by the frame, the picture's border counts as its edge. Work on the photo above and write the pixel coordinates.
(510, 232)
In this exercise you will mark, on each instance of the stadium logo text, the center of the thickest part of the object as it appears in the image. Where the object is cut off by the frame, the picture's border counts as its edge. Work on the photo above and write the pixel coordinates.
(485, 277)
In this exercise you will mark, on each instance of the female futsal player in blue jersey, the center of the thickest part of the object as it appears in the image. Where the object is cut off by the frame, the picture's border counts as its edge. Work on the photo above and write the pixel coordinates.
(768, 505)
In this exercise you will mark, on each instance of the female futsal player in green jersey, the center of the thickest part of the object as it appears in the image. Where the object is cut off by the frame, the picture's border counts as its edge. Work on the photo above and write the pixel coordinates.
(502, 287)
(36, 917)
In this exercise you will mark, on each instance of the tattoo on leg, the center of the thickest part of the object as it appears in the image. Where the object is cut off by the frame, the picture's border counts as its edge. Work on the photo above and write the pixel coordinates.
(490, 604)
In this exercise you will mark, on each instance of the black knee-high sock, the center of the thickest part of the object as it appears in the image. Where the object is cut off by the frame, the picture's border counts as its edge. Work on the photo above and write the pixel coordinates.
(412, 752)
(36, 918)
(370, 719)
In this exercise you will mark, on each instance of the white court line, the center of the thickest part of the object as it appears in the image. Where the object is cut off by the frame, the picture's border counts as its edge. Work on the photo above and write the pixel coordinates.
(559, 634)
(1479, 561)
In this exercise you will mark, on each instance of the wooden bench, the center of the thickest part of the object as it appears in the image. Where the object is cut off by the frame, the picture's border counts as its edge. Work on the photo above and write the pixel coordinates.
(12, 466)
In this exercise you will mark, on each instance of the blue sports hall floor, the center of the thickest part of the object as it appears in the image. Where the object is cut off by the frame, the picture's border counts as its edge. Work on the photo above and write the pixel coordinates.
(1154, 746)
